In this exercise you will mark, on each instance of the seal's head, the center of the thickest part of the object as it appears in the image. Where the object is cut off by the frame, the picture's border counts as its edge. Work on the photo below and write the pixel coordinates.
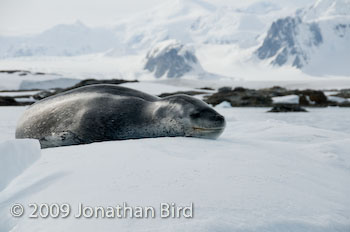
(191, 117)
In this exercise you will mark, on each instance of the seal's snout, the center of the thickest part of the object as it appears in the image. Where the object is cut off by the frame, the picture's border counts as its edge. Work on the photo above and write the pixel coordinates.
(219, 119)
(207, 123)
(209, 117)
(219, 122)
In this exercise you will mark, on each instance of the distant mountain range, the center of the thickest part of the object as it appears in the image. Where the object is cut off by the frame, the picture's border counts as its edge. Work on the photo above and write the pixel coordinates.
(61, 40)
(188, 21)
(314, 39)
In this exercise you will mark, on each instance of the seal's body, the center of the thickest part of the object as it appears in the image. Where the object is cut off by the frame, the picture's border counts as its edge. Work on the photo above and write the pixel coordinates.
(109, 112)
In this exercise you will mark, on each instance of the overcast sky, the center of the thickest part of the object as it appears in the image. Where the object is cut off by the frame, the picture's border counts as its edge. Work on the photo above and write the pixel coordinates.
(30, 16)
(33, 16)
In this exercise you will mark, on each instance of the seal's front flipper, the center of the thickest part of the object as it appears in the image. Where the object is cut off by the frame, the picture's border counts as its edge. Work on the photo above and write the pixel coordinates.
(64, 138)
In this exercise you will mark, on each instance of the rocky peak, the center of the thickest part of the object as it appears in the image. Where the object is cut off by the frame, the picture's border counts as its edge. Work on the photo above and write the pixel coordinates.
(171, 58)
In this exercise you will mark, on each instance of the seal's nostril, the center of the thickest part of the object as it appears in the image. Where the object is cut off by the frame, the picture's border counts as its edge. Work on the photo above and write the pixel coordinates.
(195, 115)
(219, 118)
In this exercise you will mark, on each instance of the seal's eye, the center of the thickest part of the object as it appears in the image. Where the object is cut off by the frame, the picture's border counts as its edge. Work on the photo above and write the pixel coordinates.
(195, 115)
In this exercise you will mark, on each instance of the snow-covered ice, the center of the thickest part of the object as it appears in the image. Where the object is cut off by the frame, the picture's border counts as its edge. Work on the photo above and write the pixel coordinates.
(16, 156)
(17, 94)
(224, 104)
(17, 81)
(267, 172)
(9, 116)
(289, 99)
(337, 99)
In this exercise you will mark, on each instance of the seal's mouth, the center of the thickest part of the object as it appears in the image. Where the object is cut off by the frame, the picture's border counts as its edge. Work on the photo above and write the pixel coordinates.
(208, 133)
(208, 129)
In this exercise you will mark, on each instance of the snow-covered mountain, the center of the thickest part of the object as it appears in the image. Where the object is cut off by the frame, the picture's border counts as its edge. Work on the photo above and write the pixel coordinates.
(199, 22)
(188, 21)
(316, 39)
(60, 40)
(172, 59)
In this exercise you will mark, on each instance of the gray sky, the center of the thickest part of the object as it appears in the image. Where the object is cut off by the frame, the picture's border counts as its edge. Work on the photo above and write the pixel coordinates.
(33, 16)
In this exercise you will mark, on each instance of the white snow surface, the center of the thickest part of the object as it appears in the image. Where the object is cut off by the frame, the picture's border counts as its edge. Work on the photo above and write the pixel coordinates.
(224, 104)
(289, 99)
(337, 99)
(17, 94)
(16, 156)
(16, 81)
(327, 9)
(267, 172)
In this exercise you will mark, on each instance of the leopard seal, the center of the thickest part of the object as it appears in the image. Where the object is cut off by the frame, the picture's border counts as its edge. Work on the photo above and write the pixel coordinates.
(106, 112)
